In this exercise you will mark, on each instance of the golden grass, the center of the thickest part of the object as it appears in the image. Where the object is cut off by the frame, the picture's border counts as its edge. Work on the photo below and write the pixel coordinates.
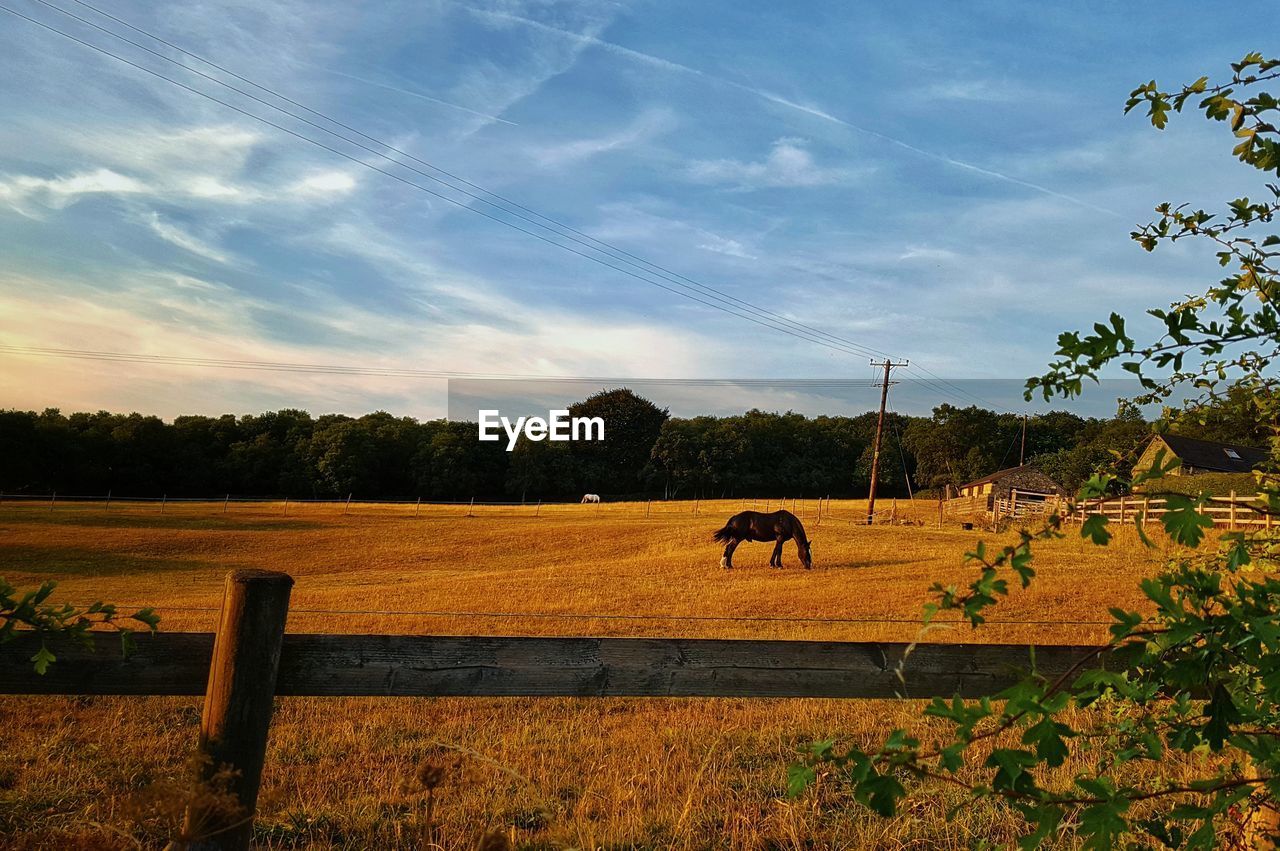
(659, 773)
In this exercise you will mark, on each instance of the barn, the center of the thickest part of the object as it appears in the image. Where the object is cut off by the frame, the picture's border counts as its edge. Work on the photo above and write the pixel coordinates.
(1031, 485)
(1200, 456)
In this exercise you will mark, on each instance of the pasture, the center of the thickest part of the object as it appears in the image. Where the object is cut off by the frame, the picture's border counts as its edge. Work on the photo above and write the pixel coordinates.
(550, 773)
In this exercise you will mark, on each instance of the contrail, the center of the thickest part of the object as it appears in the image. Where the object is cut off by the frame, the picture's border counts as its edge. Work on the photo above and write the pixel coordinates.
(666, 64)
(414, 94)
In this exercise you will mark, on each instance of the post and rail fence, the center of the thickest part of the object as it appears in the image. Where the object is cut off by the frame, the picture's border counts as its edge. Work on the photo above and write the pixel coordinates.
(1233, 512)
(814, 509)
(251, 660)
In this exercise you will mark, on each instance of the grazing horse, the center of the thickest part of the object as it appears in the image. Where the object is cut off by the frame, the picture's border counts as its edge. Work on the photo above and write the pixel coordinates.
(776, 526)
(590, 497)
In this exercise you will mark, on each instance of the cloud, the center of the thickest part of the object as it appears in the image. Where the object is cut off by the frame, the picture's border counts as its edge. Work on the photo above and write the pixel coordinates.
(171, 233)
(730, 247)
(645, 127)
(592, 40)
(419, 95)
(972, 89)
(789, 164)
(324, 184)
(59, 192)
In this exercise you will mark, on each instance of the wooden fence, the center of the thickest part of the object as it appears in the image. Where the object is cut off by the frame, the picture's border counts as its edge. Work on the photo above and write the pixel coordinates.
(250, 660)
(1017, 504)
(1230, 512)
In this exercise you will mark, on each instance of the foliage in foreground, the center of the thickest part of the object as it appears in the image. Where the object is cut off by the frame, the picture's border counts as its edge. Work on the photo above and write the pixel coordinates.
(32, 611)
(1201, 674)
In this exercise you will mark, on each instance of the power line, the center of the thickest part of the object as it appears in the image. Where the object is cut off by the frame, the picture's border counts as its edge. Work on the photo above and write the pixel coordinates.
(622, 253)
(768, 319)
(772, 319)
(396, 372)
(965, 393)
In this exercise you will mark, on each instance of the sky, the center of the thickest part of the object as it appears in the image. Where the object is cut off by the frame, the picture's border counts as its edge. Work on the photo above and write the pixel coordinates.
(953, 185)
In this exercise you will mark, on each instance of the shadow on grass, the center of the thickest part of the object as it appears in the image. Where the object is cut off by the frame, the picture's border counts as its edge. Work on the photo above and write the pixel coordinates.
(67, 562)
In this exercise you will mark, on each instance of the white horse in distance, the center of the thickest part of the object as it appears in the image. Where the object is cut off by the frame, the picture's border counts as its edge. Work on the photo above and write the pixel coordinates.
(590, 497)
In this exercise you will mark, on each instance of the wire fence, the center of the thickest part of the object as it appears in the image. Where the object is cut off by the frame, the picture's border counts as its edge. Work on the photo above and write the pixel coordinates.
(814, 509)
(520, 615)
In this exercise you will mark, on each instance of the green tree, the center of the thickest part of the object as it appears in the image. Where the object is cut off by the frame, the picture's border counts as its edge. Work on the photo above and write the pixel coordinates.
(1201, 675)
(631, 426)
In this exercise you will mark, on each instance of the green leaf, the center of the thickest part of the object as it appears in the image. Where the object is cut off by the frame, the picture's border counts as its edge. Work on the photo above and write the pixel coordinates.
(1049, 738)
(1183, 522)
(799, 778)
(43, 659)
(1095, 528)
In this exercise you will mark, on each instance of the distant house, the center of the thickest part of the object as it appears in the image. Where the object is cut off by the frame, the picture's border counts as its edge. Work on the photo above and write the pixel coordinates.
(1030, 483)
(1200, 456)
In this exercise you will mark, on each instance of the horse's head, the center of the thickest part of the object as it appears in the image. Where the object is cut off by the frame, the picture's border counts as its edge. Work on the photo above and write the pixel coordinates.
(806, 554)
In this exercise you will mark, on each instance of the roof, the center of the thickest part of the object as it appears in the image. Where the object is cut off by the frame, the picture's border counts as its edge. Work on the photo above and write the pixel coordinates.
(999, 474)
(1211, 455)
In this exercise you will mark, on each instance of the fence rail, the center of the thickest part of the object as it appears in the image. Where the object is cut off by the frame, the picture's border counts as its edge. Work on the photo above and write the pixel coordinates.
(1230, 512)
(467, 666)
(250, 660)
(810, 508)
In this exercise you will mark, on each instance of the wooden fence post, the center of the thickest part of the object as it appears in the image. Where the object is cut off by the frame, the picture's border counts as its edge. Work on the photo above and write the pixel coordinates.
(417, 507)
(1232, 513)
(225, 502)
(164, 498)
(471, 507)
(52, 500)
(238, 701)
(537, 511)
(286, 505)
(348, 505)
(108, 498)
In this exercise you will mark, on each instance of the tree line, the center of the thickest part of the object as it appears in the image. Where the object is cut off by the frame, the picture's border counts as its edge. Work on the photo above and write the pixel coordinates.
(646, 453)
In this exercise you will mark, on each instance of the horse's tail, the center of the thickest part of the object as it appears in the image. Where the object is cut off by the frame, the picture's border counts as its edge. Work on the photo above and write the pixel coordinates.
(724, 535)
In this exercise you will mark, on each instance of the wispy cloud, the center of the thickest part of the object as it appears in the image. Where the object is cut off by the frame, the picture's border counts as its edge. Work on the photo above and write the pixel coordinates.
(647, 126)
(789, 163)
(175, 235)
(59, 192)
(807, 109)
(728, 247)
(419, 95)
(324, 184)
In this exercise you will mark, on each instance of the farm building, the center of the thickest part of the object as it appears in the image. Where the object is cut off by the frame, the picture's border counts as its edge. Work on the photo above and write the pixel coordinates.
(1030, 483)
(1200, 456)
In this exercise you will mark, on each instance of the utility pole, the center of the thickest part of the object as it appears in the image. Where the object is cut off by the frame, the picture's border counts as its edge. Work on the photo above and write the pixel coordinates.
(875, 451)
(1022, 453)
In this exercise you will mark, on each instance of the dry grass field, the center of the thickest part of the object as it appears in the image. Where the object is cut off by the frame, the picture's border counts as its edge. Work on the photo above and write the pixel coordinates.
(550, 773)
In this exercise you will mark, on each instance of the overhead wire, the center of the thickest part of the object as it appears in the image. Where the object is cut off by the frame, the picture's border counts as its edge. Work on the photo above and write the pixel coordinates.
(401, 152)
(740, 307)
(684, 294)
(397, 372)
(575, 236)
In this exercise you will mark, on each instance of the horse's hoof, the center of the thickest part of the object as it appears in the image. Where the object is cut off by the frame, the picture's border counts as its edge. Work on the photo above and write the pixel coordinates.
(724, 562)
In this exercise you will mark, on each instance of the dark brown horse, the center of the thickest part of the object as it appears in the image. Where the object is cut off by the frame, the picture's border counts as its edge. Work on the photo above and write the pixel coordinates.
(776, 526)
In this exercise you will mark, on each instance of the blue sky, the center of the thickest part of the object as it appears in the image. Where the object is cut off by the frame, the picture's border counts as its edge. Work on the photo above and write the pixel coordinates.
(951, 185)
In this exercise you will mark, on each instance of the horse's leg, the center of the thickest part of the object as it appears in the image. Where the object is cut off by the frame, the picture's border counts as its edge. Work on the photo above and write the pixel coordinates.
(775, 560)
(726, 560)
